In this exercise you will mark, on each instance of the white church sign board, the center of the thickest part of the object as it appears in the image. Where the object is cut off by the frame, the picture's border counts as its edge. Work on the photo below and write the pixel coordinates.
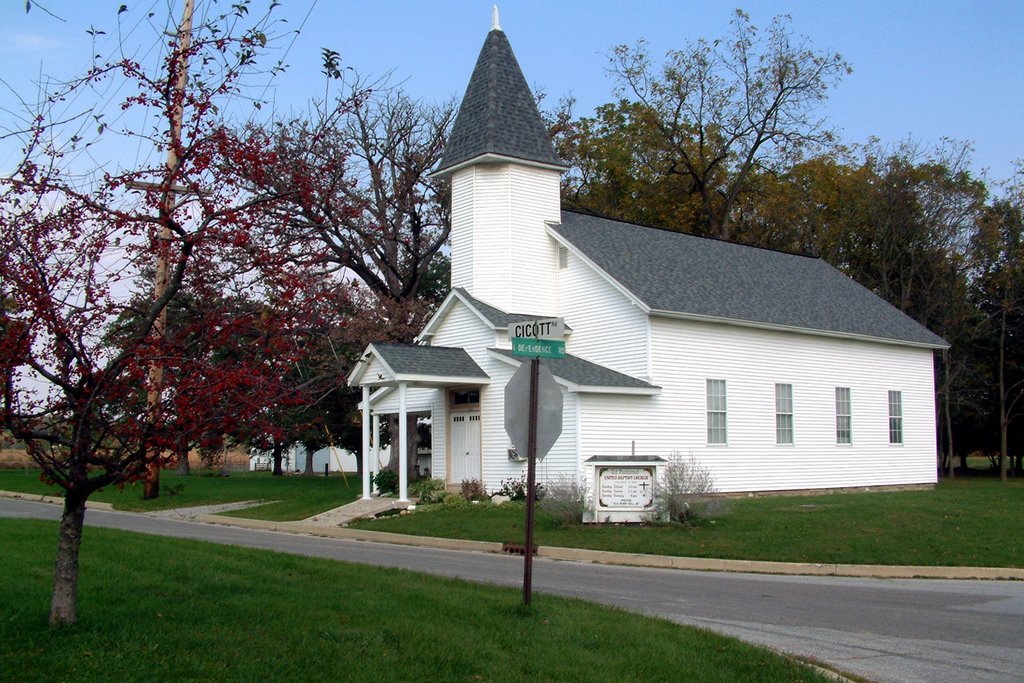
(625, 487)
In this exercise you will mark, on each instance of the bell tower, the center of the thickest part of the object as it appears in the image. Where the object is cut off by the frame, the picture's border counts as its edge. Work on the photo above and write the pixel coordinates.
(505, 186)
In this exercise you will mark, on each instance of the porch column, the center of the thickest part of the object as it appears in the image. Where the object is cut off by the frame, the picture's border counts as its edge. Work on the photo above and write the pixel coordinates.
(366, 442)
(403, 446)
(375, 447)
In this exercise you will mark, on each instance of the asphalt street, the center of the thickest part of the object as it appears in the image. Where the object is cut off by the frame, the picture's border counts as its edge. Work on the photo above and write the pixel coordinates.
(883, 630)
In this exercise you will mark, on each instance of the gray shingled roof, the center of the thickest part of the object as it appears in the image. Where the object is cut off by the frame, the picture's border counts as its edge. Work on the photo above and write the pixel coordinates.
(578, 371)
(676, 273)
(413, 359)
(498, 114)
(497, 317)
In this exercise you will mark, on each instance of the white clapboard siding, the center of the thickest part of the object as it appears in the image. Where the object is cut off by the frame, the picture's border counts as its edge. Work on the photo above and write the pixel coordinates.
(607, 328)
(562, 459)
(461, 328)
(686, 354)
(500, 211)
(439, 436)
(417, 400)
(461, 236)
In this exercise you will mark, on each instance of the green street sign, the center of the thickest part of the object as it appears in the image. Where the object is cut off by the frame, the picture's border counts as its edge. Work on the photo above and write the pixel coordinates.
(538, 348)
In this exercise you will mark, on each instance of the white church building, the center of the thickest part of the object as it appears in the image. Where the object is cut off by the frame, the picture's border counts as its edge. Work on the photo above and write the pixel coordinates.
(774, 371)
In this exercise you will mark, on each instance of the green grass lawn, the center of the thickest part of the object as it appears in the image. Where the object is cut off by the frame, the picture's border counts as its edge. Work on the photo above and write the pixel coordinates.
(296, 497)
(962, 522)
(966, 522)
(166, 609)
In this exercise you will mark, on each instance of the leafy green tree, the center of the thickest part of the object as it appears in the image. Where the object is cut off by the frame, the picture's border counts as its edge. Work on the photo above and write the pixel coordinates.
(999, 288)
(701, 125)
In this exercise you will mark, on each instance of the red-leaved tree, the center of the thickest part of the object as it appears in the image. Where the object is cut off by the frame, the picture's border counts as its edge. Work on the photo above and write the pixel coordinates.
(91, 382)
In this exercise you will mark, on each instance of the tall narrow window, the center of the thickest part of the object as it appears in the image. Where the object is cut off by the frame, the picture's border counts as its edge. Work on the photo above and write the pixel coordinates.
(716, 412)
(844, 428)
(895, 417)
(784, 414)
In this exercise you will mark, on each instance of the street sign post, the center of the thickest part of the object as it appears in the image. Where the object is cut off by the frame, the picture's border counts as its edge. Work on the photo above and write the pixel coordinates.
(533, 412)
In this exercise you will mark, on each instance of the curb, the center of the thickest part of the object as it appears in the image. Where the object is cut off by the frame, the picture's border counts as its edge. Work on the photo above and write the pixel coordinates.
(873, 571)
(353, 534)
(53, 500)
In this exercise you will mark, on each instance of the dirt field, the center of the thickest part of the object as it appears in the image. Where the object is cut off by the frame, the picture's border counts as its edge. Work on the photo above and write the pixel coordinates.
(14, 458)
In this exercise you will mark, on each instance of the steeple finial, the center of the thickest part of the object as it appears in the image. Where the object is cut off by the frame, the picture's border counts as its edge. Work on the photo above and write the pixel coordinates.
(495, 24)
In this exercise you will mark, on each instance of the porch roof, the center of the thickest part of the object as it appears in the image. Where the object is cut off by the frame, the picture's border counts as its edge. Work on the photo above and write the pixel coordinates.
(581, 375)
(384, 365)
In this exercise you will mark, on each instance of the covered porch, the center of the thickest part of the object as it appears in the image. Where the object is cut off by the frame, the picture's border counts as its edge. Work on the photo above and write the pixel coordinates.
(386, 368)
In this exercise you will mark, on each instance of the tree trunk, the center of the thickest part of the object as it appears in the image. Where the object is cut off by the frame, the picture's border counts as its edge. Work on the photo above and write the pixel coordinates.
(392, 422)
(278, 456)
(151, 485)
(948, 416)
(182, 457)
(308, 471)
(1004, 423)
(64, 603)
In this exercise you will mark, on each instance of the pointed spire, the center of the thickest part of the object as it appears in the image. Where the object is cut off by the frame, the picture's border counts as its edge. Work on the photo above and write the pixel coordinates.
(498, 116)
(495, 24)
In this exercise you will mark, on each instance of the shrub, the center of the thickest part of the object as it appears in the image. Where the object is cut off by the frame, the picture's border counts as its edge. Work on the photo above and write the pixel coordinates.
(428, 490)
(565, 499)
(686, 492)
(455, 500)
(513, 489)
(472, 489)
(386, 482)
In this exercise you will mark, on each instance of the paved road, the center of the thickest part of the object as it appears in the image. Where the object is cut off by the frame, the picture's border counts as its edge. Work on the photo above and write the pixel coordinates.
(884, 630)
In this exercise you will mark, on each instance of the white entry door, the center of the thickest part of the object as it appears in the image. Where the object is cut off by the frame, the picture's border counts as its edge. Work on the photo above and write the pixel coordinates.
(465, 444)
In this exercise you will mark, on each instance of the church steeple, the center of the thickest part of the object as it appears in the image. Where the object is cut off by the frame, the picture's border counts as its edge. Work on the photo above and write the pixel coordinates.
(498, 119)
(504, 188)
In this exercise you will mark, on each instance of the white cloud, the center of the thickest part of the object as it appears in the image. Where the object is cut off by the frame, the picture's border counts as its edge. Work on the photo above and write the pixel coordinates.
(16, 42)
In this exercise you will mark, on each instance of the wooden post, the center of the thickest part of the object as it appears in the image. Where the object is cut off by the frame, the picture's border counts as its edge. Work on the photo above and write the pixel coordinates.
(151, 487)
(531, 484)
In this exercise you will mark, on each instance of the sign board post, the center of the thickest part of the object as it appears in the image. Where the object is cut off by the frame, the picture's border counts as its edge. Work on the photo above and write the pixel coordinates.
(534, 339)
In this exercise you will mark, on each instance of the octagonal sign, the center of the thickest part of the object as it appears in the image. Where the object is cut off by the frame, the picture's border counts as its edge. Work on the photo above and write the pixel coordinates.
(517, 409)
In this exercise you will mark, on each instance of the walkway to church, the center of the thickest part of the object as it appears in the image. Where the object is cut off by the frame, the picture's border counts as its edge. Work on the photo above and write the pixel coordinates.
(357, 509)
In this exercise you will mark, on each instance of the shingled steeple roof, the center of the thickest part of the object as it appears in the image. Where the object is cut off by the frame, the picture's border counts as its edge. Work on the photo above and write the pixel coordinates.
(498, 115)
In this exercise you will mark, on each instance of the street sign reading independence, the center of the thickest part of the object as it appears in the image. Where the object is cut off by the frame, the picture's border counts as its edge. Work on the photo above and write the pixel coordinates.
(538, 348)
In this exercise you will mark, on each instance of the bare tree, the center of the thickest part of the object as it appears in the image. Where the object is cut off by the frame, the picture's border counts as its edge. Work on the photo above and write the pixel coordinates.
(724, 109)
(381, 217)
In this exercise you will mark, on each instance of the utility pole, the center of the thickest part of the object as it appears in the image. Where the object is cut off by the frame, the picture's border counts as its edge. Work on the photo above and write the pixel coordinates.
(151, 487)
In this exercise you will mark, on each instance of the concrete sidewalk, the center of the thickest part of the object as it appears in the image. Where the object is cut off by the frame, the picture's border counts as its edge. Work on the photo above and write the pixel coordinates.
(325, 528)
(357, 509)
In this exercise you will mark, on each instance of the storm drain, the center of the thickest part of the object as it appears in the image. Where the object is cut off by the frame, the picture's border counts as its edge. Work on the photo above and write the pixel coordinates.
(516, 548)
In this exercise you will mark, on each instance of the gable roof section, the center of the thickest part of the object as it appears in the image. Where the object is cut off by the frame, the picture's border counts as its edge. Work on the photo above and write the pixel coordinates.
(498, 115)
(415, 364)
(493, 317)
(680, 275)
(584, 376)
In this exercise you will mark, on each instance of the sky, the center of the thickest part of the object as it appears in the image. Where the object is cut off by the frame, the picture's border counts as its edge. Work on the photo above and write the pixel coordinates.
(921, 70)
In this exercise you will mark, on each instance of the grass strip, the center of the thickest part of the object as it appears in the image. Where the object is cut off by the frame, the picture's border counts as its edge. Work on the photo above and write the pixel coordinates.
(294, 497)
(168, 609)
